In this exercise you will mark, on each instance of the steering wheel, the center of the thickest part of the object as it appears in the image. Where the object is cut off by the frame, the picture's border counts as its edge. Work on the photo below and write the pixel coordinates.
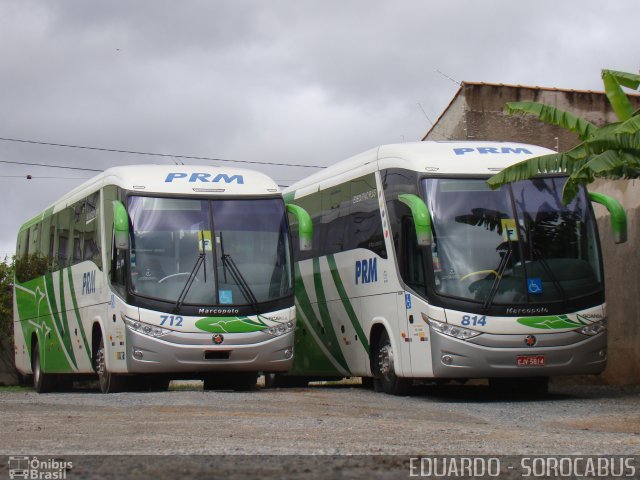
(479, 272)
(176, 275)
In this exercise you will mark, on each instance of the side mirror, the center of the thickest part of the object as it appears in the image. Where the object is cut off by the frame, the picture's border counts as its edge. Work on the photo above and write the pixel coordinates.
(618, 215)
(305, 226)
(120, 225)
(421, 217)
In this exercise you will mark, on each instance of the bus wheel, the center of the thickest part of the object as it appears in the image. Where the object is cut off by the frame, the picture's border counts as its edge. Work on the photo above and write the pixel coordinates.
(42, 382)
(108, 382)
(384, 369)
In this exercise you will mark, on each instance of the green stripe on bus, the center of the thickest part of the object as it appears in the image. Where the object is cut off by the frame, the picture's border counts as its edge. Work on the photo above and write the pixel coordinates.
(66, 334)
(333, 344)
(308, 356)
(77, 312)
(346, 303)
(289, 197)
(305, 304)
(53, 308)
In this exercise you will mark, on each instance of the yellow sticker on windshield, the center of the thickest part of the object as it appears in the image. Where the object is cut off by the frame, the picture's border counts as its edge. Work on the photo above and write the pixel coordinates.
(509, 230)
(204, 241)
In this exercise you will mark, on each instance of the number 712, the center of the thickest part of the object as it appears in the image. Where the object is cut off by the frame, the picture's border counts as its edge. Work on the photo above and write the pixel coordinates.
(174, 320)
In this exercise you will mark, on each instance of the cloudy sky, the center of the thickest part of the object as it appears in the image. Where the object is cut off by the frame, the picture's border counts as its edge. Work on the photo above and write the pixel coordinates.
(287, 81)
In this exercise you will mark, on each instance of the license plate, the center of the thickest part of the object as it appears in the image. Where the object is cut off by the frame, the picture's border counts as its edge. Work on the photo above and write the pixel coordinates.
(530, 360)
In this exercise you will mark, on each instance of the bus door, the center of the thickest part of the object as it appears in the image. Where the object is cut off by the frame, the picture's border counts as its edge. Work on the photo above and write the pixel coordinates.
(415, 348)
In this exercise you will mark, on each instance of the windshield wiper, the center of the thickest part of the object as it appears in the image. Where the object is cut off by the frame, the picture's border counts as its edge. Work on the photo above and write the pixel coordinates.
(202, 259)
(230, 264)
(549, 271)
(502, 266)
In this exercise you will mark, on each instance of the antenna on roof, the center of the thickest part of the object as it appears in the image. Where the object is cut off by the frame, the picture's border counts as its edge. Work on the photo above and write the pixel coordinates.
(448, 77)
(425, 114)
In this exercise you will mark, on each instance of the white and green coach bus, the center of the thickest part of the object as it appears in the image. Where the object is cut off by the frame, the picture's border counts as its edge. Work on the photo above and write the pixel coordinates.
(147, 273)
(420, 271)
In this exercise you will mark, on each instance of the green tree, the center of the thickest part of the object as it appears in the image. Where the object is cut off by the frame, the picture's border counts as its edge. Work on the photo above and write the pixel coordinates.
(6, 298)
(610, 151)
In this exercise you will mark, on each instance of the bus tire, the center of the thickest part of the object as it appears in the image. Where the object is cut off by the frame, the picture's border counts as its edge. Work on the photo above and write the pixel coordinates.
(42, 382)
(385, 378)
(107, 381)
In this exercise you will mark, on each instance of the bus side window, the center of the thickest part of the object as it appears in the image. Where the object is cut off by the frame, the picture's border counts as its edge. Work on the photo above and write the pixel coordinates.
(335, 210)
(413, 262)
(64, 238)
(118, 267)
(117, 258)
(364, 222)
(312, 204)
(91, 247)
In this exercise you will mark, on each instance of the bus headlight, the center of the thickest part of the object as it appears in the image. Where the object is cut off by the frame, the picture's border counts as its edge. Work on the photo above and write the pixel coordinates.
(281, 328)
(145, 328)
(454, 331)
(593, 328)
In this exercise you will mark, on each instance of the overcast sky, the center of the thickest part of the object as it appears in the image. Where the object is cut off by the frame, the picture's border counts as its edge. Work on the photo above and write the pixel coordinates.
(295, 81)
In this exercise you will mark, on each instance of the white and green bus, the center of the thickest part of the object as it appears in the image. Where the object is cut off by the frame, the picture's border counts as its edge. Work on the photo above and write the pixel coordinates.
(420, 271)
(148, 273)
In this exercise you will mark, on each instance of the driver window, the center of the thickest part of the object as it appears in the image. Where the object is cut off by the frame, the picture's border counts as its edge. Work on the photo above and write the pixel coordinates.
(413, 257)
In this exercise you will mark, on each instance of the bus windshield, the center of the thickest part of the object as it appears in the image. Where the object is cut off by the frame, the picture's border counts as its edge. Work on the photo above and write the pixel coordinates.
(518, 244)
(210, 252)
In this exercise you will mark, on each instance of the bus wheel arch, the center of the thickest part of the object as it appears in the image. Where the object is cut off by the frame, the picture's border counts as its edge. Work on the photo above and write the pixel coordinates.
(107, 381)
(96, 336)
(374, 338)
(382, 358)
(42, 382)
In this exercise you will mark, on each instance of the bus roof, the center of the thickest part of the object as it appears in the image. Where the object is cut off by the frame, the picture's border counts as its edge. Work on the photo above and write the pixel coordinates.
(436, 157)
(171, 179)
(190, 179)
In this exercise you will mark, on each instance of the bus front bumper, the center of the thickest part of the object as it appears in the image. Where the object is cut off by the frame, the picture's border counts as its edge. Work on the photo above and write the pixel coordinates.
(453, 358)
(195, 353)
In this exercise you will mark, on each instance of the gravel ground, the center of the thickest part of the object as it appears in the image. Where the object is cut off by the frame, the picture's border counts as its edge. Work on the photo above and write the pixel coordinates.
(320, 420)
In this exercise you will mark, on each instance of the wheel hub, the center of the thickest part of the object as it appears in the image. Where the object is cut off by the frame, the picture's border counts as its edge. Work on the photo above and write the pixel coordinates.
(385, 361)
(100, 367)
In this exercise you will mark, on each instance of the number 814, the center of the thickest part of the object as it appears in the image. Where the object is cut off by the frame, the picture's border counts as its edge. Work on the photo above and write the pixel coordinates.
(475, 320)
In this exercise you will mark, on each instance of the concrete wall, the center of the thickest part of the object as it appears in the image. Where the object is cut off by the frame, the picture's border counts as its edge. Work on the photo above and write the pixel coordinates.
(476, 112)
(622, 280)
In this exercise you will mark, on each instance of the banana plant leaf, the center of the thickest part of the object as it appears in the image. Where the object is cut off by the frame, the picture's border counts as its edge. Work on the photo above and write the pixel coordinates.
(611, 164)
(553, 116)
(629, 80)
(554, 162)
(615, 141)
(610, 151)
(617, 98)
(630, 126)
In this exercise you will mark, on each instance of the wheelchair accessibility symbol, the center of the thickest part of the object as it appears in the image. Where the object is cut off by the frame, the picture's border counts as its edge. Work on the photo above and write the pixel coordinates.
(534, 285)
